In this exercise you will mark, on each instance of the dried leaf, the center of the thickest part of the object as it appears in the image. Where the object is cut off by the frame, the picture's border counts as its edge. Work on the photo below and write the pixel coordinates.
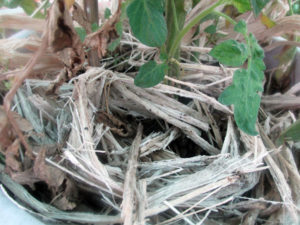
(263, 30)
(267, 21)
(105, 35)
(7, 134)
(57, 29)
(62, 188)
(63, 203)
(66, 199)
(286, 25)
(53, 177)
(115, 124)
(69, 3)
(62, 37)
(25, 178)
(23, 124)
(15, 53)
(12, 160)
(80, 17)
(5, 131)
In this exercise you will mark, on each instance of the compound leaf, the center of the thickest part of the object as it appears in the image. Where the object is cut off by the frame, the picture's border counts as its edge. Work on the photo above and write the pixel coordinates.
(230, 53)
(244, 93)
(150, 74)
(147, 21)
(241, 27)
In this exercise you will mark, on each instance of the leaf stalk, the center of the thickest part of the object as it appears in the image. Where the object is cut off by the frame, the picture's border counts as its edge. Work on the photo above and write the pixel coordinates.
(226, 17)
(190, 25)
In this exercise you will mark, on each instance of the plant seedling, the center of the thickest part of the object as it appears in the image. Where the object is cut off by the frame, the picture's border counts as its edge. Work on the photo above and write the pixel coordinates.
(150, 26)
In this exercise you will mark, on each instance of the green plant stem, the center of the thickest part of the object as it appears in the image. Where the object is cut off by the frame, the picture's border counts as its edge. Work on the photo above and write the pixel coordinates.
(175, 17)
(175, 21)
(189, 26)
(226, 17)
(291, 7)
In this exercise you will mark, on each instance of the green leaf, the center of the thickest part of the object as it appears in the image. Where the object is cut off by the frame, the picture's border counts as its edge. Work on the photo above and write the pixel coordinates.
(244, 93)
(296, 8)
(230, 53)
(256, 51)
(242, 5)
(163, 56)
(107, 13)
(147, 21)
(8, 84)
(211, 16)
(2, 157)
(212, 29)
(11, 3)
(114, 44)
(292, 133)
(81, 33)
(195, 2)
(150, 74)
(119, 28)
(28, 6)
(258, 5)
(94, 27)
(241, 27)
